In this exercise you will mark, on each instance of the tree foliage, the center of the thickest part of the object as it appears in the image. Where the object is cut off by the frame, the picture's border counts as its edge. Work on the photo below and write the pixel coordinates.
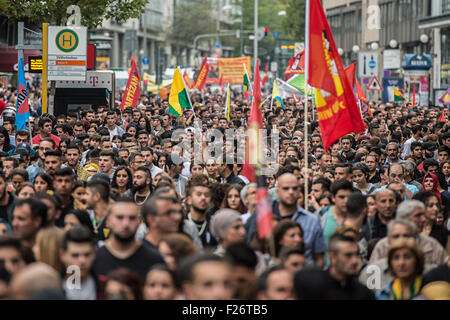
(192, 19)
(294, 21)
(54, 11)
(267, 17)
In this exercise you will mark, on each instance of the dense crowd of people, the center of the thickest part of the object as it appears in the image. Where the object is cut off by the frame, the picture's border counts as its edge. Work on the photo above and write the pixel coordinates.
(98, 205)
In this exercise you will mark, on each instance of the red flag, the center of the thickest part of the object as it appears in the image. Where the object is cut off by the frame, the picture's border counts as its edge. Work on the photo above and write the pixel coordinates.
(264, 80)
(442, 117)
(296, 65)
(255, 123)
(132, 91)
(293, 96)
(337, 110)
(361, 95)
(350, 72)
(186, 79)
(248, 171)
(257, 99)
(202, 74)
(263, 212)
(414, 97)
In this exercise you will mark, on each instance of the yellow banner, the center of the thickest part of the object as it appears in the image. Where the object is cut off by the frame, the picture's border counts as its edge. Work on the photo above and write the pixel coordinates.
(232, 69)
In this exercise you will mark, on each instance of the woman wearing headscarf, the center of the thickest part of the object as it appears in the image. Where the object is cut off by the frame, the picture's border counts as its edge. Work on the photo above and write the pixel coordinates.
(227, 227)
(430, 182)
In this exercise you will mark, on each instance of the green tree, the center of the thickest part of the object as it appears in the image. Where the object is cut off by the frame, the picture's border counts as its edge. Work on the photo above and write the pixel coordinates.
(294, 21)
(54, 11)
(267, 17)
(192, 19)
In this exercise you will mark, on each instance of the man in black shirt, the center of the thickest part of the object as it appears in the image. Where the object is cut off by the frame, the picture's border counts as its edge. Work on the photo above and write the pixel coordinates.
(386, 206)
(339, 282)
(226, 172)
(199, 198)
(162, 215)
(122, 249)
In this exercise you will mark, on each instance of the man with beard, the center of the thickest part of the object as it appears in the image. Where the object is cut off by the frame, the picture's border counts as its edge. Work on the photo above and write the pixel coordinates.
(97, 203)
(142, 182)
(52, 162)
(392, 150)
(6, 199)
(162, 215)
(122, 249)
(199, 199)
(344, 266)
(47, 144)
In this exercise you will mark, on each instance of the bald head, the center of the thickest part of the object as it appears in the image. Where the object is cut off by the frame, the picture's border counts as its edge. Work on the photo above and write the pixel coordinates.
(286, 177)
(386, 204)
(35, 277)
(385, 192)
(288, 190)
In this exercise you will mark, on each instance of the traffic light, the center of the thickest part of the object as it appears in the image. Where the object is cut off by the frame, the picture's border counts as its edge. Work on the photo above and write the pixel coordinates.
(266, 31)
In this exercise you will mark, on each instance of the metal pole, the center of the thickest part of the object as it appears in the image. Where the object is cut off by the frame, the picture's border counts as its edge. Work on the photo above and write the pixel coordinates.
(255, 40)
(44, 69)
(305, 154)
(20, 42)
(144, 42)
(241, 39)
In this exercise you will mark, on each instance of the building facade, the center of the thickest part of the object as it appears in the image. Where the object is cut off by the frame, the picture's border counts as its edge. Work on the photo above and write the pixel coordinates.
(392, 30)
(437, 23)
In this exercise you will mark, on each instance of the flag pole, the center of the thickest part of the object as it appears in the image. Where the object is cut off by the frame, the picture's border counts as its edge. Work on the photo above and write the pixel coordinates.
(305, 154)
(271, 100)
(29, 129)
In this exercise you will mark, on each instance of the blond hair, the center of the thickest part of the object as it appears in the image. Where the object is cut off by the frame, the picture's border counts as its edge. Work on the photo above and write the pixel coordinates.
(49, 241)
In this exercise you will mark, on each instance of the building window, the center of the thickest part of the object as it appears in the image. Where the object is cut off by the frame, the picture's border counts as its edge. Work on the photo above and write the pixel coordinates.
(445, 6)
(404, 12)
(359, 20)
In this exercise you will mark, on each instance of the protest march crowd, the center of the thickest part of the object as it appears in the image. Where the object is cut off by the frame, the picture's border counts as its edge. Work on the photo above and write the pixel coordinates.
(99, 195)
(161, 199)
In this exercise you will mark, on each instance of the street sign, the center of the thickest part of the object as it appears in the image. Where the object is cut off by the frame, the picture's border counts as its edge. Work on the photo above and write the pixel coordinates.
(67, 53)
(391, 59)
(374, 85)
(367, 64)
(35, 64)
(145, 60)
(218, 48)
(94, 79)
